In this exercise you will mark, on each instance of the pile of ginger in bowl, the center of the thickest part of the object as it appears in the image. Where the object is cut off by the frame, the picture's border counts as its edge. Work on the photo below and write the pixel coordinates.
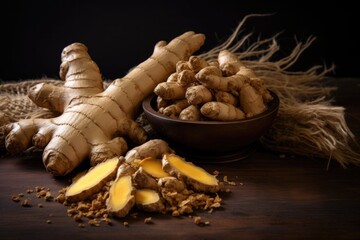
(216, 108)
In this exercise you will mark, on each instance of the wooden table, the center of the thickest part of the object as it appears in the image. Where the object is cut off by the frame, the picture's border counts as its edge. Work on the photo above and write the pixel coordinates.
(276, 197)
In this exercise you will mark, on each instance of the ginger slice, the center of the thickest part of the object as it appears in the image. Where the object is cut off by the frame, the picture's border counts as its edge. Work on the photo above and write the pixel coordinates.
(149, 200)
(153, 148)
(121, 196)
(171, 184)
(192, 175)
(153, 167)
(92, 182)
(143, 180)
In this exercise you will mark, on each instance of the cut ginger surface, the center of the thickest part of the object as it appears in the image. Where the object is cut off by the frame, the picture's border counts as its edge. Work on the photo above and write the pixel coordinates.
(120, 193)
(190, 170)
(153, 167)
(93, 180)
(146, 196)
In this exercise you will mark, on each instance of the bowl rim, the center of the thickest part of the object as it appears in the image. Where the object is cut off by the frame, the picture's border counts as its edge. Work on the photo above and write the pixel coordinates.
(272, 107)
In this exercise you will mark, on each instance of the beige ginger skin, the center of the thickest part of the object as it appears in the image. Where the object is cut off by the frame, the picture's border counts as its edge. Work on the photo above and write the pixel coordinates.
(93, 121)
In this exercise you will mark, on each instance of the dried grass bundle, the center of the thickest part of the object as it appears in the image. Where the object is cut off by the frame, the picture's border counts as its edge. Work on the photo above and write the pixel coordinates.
(307, 123)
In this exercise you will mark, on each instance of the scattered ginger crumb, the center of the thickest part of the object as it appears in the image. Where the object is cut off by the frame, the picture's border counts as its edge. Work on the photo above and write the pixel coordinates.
(106, 220)
(126, 224)
(30, 190)
(232, 183)
(225, 178)
(94, 222)
(148, 220)
(81, 225)
(134, 215)
(48, 221)
(15, 198)
(197, 220)
(40, 205)
(21, 194)
(38, 188)
(48, 196)
(26, 203)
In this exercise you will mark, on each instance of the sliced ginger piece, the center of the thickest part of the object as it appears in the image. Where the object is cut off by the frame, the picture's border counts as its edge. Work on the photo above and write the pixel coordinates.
(121, 196)
(149, 200)
(171, 184)
(195, 176)
(92, 182)
(153, 167)
(143, 180)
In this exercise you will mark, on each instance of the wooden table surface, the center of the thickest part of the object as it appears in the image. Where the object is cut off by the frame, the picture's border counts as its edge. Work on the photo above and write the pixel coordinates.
(276, 197)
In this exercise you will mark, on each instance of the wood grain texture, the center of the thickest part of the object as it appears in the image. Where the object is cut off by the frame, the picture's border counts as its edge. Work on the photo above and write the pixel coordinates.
(280, 197)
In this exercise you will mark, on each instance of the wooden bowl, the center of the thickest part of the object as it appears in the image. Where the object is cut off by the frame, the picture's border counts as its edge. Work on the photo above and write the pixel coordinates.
(211, 140)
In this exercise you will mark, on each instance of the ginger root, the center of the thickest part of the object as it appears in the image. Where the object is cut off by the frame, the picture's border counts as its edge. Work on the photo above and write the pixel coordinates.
(94, 121)
(221, 111)
(170, 90)
(191, 113)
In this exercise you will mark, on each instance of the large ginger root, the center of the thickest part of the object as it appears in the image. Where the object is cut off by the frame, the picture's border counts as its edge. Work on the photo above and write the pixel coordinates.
(93, 121)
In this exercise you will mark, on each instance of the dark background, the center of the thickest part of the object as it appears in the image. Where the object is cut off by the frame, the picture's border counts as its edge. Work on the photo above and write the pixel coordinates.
(121, 34)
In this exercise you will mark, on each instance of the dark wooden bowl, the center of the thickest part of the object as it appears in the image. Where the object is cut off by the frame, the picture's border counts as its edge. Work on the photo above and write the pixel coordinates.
(210, 138)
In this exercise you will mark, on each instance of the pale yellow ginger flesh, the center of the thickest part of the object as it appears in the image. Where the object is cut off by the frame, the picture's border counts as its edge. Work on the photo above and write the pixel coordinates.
(93, 180)
(153, 167)
(146, 196)
(121, 192)
(190, 170)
